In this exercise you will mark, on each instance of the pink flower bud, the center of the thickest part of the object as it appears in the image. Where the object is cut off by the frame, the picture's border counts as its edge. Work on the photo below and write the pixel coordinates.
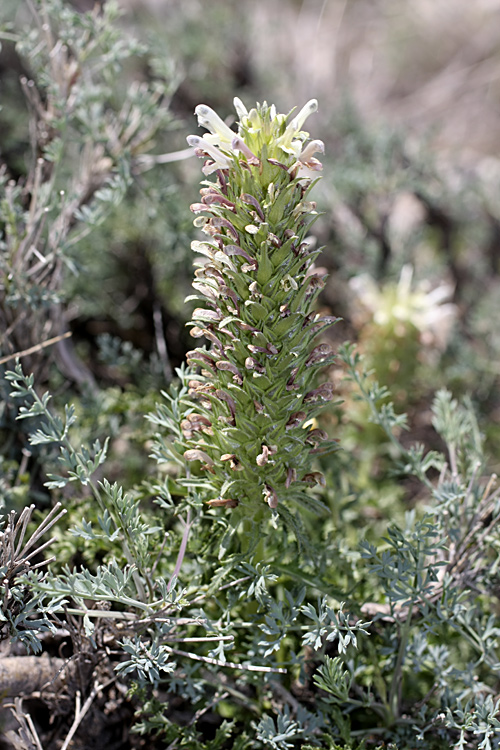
(195, 454)
(238, 144)
(270, 496)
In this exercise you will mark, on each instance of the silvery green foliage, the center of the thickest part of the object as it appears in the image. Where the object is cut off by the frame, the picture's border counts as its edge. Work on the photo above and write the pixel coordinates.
(427, 672)
(279, 736)
(477, 719)
(52, 430)
(149, 660)
(22, 614)
(439, 574)
(246, 432)
(132, 592)
(88, 134)
(132, 585)
(332, 626)
(333, 679)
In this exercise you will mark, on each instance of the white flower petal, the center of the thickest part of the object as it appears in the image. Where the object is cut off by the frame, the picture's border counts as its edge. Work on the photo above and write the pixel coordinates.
(240, 108)
(221, 160)
(209, 119)
(312, 148)
(298, 121)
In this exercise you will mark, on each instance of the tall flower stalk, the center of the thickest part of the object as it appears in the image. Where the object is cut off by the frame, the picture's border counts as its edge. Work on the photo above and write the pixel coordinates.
(249, 429)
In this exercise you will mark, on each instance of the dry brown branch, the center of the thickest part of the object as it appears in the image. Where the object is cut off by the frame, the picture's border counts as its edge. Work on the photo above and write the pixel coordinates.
(26, 738)
(230, 664)
(81, 711)
(24, 675)
(36, 348)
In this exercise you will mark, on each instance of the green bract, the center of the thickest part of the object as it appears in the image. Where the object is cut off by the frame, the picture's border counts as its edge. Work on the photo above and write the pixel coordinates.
(253, 402)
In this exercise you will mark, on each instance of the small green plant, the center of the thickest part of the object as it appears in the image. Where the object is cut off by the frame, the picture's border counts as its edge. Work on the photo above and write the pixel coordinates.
(400, 327)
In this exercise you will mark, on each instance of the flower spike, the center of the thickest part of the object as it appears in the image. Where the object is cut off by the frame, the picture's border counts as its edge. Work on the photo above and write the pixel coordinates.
(248, 425)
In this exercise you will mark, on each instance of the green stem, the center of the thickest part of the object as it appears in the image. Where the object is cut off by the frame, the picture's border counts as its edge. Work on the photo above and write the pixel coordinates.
(395, 689)
(359, 380)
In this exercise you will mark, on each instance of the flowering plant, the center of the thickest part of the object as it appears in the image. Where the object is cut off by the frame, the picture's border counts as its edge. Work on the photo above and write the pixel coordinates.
(401, 326)
(248, 425)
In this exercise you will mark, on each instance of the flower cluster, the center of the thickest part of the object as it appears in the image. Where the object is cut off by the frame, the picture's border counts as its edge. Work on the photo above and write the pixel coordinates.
(428, 311)
(401, 327)
(250, 427)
